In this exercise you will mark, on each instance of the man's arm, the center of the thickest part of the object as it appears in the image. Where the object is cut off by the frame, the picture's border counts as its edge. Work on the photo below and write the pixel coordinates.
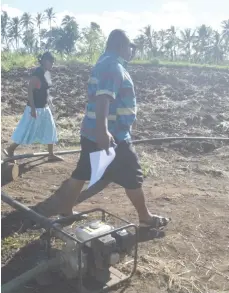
(109, 83)
(101, 112)
(103, 137)
(34, 83)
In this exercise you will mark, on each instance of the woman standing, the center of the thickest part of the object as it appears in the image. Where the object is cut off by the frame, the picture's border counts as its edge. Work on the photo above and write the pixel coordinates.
(37, 124)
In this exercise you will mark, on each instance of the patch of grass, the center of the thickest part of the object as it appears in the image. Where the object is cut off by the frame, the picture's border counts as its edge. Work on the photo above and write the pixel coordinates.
(70, 60)
(178, 64)
(12, 60)
(69, 131)
(193, 65)
(146, 169)
(161, 63)
(145, 165)
(17, 60)
(18, 241)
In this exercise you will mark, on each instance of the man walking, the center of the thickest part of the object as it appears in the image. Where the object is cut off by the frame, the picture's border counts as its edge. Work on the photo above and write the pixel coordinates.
(110, 113)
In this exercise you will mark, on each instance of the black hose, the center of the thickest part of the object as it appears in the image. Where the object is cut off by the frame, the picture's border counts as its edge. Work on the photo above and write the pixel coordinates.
(150, 140)
(31, 214)
(173, 138)
(34, 155)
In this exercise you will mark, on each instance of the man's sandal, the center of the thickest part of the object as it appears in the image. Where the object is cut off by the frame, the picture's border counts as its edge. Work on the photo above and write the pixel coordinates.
(156, 222)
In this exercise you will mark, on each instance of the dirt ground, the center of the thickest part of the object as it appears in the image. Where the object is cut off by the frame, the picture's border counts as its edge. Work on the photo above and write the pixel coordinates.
(187, 181)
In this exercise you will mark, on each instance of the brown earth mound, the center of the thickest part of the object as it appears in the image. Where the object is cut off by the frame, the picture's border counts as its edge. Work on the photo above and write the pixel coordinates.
(171, 101)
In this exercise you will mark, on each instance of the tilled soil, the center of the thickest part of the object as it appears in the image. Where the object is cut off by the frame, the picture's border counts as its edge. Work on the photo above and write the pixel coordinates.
(187, 181)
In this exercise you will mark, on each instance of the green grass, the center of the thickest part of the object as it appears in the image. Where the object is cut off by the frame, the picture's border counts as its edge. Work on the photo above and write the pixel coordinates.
(70, 60)
(17, 60)
(18, 241)
(178, 64)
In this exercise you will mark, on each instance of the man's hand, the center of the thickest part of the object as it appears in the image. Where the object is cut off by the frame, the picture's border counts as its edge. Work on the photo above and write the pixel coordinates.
(104, 140)
(33, 113)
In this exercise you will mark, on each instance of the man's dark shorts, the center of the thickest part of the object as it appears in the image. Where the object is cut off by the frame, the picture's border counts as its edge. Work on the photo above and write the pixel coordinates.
(124, 170)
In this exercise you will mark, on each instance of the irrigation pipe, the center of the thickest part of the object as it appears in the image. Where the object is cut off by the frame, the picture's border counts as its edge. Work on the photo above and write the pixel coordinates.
(13, 285)
(140, 141)
(33, 155)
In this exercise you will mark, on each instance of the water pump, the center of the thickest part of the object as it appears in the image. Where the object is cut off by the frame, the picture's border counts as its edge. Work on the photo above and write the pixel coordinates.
(93, 251)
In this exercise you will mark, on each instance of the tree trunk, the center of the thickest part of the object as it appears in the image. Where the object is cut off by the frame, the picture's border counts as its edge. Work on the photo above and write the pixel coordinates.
(39, 32)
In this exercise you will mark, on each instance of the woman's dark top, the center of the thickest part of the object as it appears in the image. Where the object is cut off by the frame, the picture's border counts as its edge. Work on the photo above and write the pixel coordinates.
(40, 93)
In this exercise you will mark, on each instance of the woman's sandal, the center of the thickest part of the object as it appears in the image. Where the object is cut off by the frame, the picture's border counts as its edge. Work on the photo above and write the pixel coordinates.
(156, 222)
(5, 152)
(55, 158)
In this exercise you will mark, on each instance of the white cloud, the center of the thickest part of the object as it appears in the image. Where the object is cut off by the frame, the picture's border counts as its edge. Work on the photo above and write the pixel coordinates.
(12, 11)
(175, 6)
(133, 22)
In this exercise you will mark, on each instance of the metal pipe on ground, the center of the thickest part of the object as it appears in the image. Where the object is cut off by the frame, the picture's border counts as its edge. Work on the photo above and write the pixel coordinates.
(13, 285)
(150, 140)
(41, 154)
(37, 218)
(43, 221)
(174, 138)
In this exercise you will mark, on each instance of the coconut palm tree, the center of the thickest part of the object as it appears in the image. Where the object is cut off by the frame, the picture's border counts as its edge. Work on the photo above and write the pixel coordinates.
(225, 34)
(162, 34)
(50, 16)
(151, 40)
(216, 49)
(15, 30)
(4, 25)
(67, 19)
(27, 21)
(141, 44)
(39, 20)
(202, 42)
(186, 41)
(172, 42)
(225, 27)
(43, 39)
(29, 40)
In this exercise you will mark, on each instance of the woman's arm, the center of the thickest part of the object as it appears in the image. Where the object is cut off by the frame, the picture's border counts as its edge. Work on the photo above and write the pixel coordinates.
(34, 83)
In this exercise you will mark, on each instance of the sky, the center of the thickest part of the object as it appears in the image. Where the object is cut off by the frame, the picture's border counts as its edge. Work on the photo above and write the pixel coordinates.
(130, 15)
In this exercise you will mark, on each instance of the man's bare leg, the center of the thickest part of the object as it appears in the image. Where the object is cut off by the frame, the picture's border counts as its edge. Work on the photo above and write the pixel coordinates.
(63, 200)
(137, 198)
(74, 188)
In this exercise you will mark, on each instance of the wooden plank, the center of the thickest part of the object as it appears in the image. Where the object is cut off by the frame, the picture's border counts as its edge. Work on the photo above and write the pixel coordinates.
(116, 277)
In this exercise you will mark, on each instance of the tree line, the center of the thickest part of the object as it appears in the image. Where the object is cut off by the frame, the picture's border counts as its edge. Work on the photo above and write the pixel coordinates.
(200, 45)
(25, 34)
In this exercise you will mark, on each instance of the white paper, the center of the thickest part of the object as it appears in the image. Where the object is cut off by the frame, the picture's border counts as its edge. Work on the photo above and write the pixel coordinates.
(99, 162)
